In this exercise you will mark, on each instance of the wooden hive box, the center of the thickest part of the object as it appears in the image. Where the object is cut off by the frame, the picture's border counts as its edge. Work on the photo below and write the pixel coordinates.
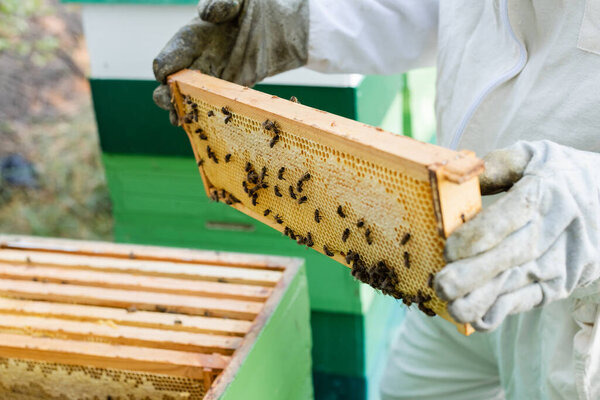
(380, 203)
(92, 320)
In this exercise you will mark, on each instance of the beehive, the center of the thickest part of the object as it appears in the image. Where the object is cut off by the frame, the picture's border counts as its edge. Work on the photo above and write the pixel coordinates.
(87, 320)
(378, 202)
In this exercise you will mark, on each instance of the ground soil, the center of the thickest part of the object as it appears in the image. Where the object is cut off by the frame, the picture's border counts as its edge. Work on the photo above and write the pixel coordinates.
(46, 116)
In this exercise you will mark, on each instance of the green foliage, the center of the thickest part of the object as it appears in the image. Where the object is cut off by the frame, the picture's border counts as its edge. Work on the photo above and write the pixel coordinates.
(18, 33)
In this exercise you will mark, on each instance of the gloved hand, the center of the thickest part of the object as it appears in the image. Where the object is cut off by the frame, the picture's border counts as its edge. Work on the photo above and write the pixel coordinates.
(242, 41)
(537, 244)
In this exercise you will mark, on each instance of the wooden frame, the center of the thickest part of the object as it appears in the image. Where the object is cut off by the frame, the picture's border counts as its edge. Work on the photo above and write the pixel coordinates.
(56, 294)
(451, 176)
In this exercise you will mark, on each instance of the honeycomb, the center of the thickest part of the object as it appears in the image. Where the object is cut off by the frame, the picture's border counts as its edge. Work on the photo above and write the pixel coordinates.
(376, 218)
(25, 379)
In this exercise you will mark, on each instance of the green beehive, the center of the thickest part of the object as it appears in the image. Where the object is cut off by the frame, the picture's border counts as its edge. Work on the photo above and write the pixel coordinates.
(158, 196)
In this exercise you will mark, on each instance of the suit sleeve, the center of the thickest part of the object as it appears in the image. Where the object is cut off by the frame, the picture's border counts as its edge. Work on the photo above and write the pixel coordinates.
(372, 36)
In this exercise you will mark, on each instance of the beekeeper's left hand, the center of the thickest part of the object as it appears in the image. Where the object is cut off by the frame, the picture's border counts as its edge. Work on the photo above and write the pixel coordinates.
(537, 244)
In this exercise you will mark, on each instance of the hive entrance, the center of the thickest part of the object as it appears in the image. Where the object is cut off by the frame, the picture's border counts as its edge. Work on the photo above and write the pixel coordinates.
(367, 198)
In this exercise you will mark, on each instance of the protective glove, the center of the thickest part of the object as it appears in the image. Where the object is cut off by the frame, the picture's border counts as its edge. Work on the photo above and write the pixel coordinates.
(537, 244)
(242, 41)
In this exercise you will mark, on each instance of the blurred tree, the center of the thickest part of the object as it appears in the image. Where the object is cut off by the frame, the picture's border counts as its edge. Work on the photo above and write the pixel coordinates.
(17, 19)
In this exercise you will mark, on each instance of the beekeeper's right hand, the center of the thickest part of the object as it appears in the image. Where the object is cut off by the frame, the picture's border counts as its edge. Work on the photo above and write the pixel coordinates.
(242, 41)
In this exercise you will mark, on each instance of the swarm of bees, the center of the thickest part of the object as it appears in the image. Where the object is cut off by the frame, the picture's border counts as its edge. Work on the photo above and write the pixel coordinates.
(380, 275)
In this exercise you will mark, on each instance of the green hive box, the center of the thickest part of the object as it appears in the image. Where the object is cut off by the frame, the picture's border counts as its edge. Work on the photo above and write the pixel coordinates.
(158, 196)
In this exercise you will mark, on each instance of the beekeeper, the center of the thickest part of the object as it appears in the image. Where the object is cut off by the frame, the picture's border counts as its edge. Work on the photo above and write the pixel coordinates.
(521, 76)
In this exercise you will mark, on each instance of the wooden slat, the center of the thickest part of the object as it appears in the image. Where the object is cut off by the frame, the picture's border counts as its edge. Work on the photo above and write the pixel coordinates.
(135, 282)
(144, 252)
(103, 355)
(124, 298)
(366, 142)
(135, 267)
(115, 334)
(120, 316)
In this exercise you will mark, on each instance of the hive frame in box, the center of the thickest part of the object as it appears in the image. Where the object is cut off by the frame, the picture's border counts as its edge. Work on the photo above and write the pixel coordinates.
(451, 176)
(39, 293)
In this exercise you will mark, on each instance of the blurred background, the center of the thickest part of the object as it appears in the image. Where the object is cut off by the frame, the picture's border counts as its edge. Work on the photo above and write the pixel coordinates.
(51, 179)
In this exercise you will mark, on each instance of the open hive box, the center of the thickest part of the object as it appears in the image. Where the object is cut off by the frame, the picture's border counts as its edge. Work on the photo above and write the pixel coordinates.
(380, 203)
(90, 320)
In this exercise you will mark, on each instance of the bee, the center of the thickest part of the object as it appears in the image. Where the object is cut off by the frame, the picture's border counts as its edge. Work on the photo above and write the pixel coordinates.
(263, 173)
(280, 173)
(253, 177)
(202, 136)
(227, 119)
(428, 311)
(225, 111)
(194, 106)
(177, 322)
(350, 256)
(187, 100)
(405, 239)
(360, 223)
(228, 201)
(266, 212)
(341, 212)
(227, 157)
(274, 140)
(309, 240)
(277, 192)
(289, 233)
(368, 236)
(345, 235)
(292, 194)
(301, 240)
(210, 113)
(248, 166)
(160, 308)
(278, 219)
(267, 125)
(407, 259)
(131, 309)
(302, 200)
(245, 185)
(200, 162)
(199, 130)
(254, 199)
(430, 280)
(275, 128)
(264, 185)
(188, 119)
(327, 251)
(304, 178)
(317, 216)
(214, 196)
(294, 99)
(407, 300)
(234, 199)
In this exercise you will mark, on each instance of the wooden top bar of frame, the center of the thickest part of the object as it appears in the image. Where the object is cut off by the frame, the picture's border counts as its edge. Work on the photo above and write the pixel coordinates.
(368, 142)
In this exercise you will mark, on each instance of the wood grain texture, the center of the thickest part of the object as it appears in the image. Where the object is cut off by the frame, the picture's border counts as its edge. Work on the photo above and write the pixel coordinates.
(155, 314)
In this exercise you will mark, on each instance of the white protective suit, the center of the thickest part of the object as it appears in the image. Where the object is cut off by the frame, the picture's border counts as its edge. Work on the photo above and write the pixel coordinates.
(508, 70)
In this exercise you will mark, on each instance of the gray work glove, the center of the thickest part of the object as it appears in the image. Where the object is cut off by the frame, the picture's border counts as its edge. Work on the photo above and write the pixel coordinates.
(537, 244)
(242, 41)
